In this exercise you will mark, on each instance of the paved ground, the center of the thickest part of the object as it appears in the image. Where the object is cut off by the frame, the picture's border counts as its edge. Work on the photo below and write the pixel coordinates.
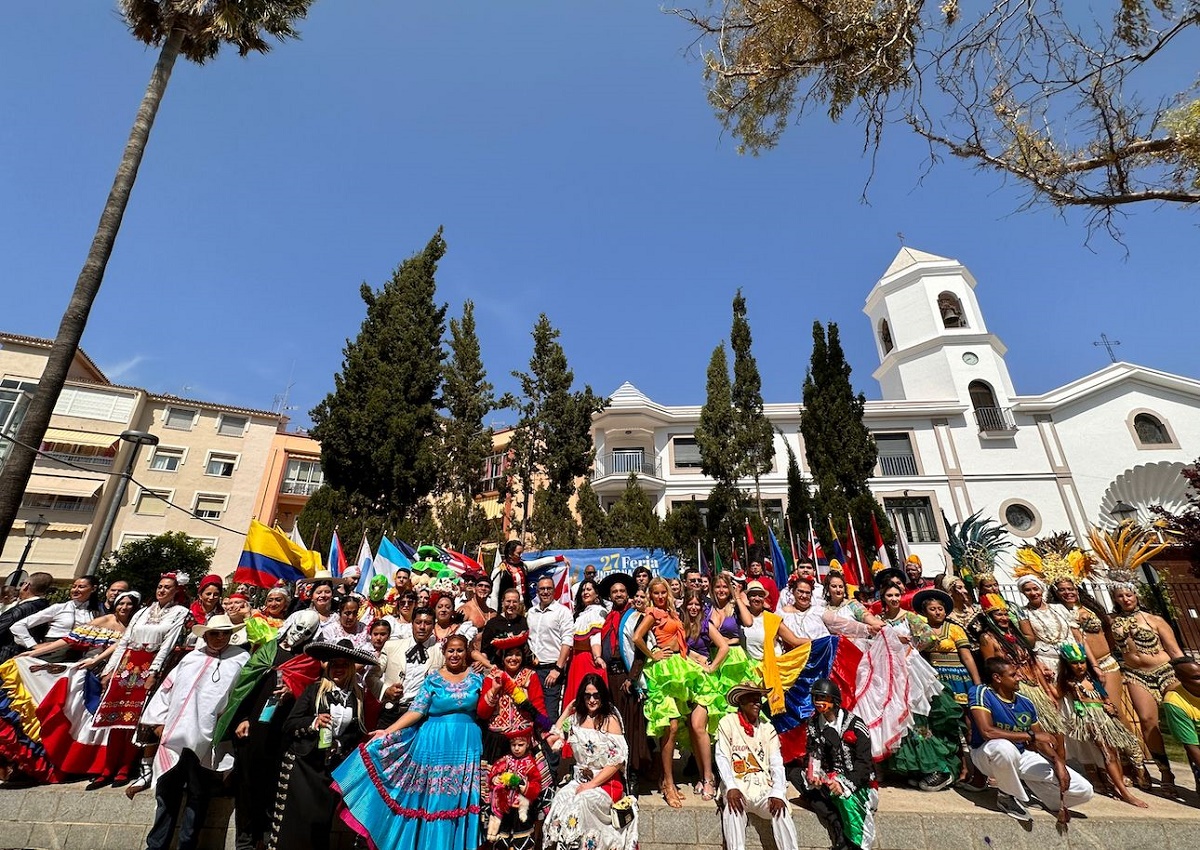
(68, 818)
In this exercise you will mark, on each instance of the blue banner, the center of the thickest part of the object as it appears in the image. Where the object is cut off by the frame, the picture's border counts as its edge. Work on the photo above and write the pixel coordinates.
(608, 561)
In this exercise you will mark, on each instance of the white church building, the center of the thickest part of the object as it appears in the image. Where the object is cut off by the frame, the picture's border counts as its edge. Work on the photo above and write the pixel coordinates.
(954, 434)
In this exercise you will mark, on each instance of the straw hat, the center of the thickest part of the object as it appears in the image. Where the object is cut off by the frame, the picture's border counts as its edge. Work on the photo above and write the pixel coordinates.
(219, 623)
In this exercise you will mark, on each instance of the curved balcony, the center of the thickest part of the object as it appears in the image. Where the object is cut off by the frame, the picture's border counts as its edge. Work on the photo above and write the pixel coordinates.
(611, 469)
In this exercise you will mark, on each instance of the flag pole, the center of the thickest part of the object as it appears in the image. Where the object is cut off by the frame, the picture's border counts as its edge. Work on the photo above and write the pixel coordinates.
(863, 566)
(791, 540)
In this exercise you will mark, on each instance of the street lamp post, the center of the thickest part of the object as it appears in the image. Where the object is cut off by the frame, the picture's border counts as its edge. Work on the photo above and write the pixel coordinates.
(137, 439)
(34, 528)
(1123, 512)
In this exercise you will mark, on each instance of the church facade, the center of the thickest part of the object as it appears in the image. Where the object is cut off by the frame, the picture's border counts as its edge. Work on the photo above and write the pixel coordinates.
(954, 434)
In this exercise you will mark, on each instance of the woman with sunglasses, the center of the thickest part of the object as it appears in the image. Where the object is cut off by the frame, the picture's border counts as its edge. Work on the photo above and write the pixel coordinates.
(581, 814)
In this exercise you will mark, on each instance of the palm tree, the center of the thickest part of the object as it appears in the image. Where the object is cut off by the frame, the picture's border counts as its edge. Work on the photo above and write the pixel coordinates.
(196, 29)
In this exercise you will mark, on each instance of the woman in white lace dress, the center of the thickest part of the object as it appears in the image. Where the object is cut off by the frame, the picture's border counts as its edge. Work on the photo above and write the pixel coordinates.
(582, 813)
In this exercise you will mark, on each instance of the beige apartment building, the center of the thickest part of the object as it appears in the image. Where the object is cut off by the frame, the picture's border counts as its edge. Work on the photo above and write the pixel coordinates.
(202, 478)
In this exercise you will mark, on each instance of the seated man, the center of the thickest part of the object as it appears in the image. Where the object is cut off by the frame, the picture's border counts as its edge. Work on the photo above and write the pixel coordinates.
(836, 771)
(1010, 747)
(750, 764)
(1181, 710)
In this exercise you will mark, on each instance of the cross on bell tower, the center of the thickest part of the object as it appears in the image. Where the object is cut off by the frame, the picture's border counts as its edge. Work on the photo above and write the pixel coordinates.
(1108, 345)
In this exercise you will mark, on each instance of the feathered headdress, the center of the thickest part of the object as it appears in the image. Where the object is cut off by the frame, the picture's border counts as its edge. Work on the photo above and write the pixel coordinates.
(1053, 558)
(1124, 553)
(973, 546)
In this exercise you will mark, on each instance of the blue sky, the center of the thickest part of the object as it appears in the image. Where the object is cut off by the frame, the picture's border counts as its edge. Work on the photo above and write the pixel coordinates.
(569, 152)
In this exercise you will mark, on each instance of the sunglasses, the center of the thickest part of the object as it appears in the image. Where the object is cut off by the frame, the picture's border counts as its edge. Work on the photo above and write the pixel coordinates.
(591, 695)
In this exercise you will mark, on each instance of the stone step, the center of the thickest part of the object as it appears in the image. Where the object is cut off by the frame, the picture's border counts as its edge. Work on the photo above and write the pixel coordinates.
(66, 817)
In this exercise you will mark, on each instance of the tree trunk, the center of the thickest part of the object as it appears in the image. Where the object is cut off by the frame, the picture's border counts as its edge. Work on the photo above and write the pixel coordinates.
(15, 475)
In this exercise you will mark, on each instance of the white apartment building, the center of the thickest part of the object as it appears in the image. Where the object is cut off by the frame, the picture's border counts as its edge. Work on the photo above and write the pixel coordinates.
(954, 435)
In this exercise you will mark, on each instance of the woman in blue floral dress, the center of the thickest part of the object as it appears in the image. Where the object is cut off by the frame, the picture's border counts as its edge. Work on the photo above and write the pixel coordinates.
(416, 783)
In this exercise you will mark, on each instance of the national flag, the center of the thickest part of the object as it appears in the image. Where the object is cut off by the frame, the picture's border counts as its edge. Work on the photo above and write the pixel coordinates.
(792, 542)
(902, 550)
(880, 549)
(838, 552)
(388, 559)
(701, 561)
(815, 553)
(777, 560)
(856, 555)
(408, 551)
(737, 565)
(365, 563)
(269, 555)
(460, 563)
(749, 533)
(296, 537)
(718, 567)
(336, 562)
(562, 587)
(832, 657)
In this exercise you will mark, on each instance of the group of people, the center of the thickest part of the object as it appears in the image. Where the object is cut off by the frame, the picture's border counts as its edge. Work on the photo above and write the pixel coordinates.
(461, 711)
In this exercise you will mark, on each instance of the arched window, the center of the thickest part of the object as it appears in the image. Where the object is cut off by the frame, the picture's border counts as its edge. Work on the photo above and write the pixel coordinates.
(951, 310)
(1150, 430)
(885, 336)
(981, 395)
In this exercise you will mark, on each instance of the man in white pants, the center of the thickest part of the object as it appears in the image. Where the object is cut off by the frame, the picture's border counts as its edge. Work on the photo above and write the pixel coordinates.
(750, 764)
(1009, 746)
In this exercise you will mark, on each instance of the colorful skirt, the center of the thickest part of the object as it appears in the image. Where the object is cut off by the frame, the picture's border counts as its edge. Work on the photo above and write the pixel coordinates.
(417, 788)
(671, 687)
(1048, 714)
(711, 689)
(1090, 723)
(933, 744)
(581, 664)
(954, 678)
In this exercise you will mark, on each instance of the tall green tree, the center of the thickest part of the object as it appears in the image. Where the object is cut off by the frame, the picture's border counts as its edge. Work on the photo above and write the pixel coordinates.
(841, 451)
(379, 429)
(717, 429)
(593, 521)
(716, 439)
(754, 438)
(553, 437)
(632, 520)
(197, 31)
(468, 397)
(551, 524)
(141, 562)
(799, 496)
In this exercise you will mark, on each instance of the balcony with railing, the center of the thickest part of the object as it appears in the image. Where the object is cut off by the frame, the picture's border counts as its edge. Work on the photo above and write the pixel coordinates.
(91, 461)
(995, 421)
(618, 465)
(897, 465)
(299, 488)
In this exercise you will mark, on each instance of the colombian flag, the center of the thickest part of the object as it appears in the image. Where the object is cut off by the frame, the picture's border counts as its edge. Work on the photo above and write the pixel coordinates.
(790, 677)
(270, 555)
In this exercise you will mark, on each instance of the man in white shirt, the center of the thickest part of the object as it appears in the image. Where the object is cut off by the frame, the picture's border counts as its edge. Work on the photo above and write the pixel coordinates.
(184, 711)
(406, 662)
(750, 764)
(59, 619)
(551, 633)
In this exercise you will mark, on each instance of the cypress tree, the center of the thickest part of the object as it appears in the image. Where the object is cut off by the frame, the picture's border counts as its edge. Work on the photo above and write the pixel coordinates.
(841, 451)
(754, 438)
(468, 398)
(593, 521)
(799, 497)
(632, 520)
(716, 430)
(553, 438)
(379, 428)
